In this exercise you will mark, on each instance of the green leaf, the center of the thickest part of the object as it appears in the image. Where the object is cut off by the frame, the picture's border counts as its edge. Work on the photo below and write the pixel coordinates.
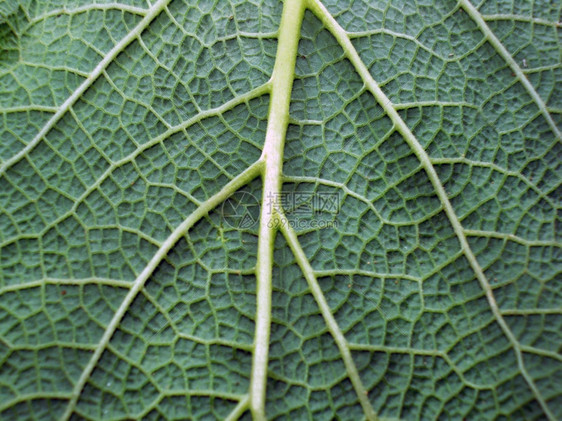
(281, 210)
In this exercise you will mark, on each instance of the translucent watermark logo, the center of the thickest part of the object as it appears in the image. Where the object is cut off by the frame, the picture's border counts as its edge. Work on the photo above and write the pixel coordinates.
(304, 203)
(241, 210)
(304, 210)
(301, 224)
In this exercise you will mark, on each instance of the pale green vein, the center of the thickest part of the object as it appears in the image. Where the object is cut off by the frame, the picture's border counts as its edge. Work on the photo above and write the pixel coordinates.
(91, 7)
(94, 75)
(394, 34)
(541, 352)
(230, 37)
(175, 393)
(474, 163)
(171, 320)
(518, 18)
(502, 51)
(30, 397)
(52, 68)
(272, 156)
(259, 91)
(239, 409)
(327, 384)
(305, 122)
(222, 271)
(170, 71)
(249, 174)
(397, 350)
(497, 168)
(331, 323)
(172, 187)
(341, 36)
(123, 228)
(217, 341)
(419, 104)
(207, 393)
(419, 352)
(53, 344)
(288, 379)
(544, 68)
(437, 269)
(511, 237)
(530, 311)
(66, 282)
(122, 355)
(358, 196)
(369, 273)
(27, 108)
(126, 98)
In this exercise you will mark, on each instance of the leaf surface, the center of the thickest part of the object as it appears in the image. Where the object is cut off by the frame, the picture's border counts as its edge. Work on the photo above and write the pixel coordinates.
(235, 210)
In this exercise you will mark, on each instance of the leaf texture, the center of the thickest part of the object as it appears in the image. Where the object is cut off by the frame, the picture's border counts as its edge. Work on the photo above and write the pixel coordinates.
(432, 290)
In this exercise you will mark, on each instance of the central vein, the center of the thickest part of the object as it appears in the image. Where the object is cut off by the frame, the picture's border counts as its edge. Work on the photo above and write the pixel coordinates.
(272, 156)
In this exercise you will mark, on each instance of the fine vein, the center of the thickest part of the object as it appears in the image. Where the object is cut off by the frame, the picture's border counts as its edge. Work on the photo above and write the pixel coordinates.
(502, 51)
(331, 323)
(98, 70)
(341, 36)
(239, 181)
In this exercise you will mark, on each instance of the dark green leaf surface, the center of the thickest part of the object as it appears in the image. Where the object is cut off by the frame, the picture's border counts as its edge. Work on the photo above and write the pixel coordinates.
(120, 121)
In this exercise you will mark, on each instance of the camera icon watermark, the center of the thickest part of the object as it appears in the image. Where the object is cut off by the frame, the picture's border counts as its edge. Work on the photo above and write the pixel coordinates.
(241, 210)
(303, 209)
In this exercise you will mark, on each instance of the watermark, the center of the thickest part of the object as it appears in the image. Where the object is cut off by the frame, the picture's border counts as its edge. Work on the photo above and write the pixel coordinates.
(241, 210)
(304, 210)
(300, 224)
(304, 203)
